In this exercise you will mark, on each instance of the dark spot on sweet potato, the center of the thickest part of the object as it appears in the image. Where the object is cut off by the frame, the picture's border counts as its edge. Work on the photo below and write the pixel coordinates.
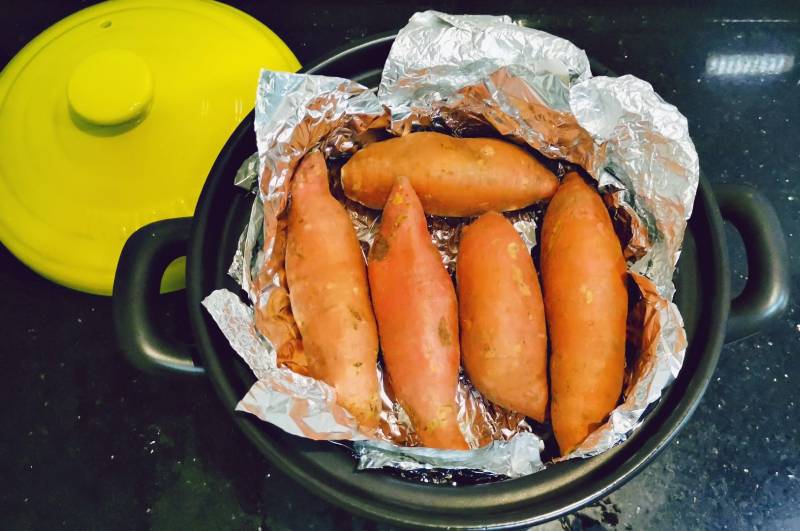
(444, 333)
(356, 316)
(380, 248)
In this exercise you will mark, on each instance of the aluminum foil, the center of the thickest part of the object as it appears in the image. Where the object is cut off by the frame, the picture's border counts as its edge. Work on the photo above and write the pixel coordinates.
(298, 404)
(465, 75)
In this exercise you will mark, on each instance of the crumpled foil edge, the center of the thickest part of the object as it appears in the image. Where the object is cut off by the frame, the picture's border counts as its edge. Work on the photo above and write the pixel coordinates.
(467, 75)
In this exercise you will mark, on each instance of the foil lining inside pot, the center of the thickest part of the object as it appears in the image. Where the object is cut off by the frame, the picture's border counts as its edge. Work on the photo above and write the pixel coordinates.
(466, 76)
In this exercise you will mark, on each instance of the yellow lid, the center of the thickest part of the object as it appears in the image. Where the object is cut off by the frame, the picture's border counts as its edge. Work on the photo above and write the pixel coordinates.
(110, 87)
(112, 118)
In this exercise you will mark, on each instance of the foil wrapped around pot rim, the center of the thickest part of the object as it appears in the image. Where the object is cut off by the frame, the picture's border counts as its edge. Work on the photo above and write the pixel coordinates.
(466, 76)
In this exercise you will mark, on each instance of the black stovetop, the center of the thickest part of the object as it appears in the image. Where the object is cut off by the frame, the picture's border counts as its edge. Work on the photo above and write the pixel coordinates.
(90, 443)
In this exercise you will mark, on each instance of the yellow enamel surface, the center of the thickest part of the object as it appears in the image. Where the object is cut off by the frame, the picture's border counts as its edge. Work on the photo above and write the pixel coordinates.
(112, 119)
(110, 87)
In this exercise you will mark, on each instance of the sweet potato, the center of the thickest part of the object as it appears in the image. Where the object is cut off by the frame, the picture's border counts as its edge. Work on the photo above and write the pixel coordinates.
(503, 331)
(276, 322)
(329, 293)
(417, 312)
(586, 304)
(451, 176)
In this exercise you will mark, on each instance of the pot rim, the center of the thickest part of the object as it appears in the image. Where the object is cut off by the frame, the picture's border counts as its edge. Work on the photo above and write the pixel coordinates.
(625, 460)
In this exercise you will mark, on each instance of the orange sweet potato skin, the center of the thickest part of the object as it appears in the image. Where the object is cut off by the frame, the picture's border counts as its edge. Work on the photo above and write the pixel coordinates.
(451, 176)
(417, 312)
(586, 303)
(503, 330)
(329, 293)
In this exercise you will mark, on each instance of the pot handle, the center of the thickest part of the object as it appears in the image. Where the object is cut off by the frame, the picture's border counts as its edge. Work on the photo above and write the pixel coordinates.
(144, 258)
(766, 293)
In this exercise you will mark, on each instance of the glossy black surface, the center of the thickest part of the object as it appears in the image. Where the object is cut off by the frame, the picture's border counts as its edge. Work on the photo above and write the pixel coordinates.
(140, 334)
(91, 443)
(703, 294)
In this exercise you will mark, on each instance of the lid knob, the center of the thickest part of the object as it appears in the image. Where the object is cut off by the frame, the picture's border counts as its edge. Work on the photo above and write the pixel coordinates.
(110, 87)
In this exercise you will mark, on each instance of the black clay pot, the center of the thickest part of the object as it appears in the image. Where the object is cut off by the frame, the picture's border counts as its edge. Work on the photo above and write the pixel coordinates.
(210, 237)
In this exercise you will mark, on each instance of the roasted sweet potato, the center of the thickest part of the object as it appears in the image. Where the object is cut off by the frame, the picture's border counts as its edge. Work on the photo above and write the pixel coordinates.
(586, 304)
(417, 312)
(503, 331)
(451, 176)
(329, 293)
